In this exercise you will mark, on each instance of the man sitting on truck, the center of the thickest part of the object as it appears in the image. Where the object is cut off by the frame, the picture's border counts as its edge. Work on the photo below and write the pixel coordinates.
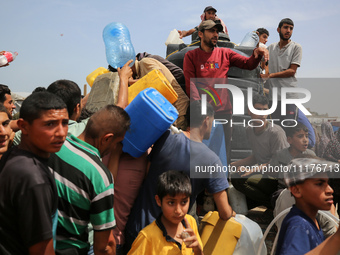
(211, 63)
(209, 13)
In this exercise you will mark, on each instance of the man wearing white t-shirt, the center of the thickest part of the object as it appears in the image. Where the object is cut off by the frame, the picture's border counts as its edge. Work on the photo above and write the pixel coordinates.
(285, 58)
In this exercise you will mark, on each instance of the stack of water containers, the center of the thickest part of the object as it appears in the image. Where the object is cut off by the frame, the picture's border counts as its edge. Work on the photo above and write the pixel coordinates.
(150, 112)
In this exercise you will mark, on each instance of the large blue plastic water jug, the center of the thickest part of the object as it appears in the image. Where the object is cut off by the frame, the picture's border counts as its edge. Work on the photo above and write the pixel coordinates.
(151, 115)
(118, 46)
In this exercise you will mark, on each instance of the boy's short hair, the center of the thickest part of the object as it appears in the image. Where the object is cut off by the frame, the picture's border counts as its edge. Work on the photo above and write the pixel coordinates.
(286, 21)
(290, 131)
(262, 30)
(260, 99)
(38, 102)
(305, 167)
(68, 91)
(194, 115)
(172, 183)
(110, 119)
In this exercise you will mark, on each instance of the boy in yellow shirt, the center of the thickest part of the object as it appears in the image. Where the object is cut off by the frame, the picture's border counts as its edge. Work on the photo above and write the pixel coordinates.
(174, 231)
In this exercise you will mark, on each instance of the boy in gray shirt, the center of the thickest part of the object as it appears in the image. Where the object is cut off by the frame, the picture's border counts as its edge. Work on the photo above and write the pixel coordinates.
(297, 138)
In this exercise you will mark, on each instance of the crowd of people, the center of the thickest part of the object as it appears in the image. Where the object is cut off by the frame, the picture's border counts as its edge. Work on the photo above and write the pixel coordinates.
(67, 187)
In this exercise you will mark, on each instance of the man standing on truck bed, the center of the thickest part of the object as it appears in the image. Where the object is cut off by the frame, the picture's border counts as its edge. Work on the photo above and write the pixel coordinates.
(209, 61)
(285, 58)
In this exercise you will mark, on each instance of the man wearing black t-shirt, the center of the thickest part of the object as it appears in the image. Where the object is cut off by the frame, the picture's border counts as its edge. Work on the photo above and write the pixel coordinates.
(28, 198)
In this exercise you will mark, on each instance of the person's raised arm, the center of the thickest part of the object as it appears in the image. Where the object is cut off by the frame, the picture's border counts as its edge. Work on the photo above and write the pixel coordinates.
(251, 62)
(184, 33)
(104, 242)
(84, 100)
(262, 53)
(124, 74)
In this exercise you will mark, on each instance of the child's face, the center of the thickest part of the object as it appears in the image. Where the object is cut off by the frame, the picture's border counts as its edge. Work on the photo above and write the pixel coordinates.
(174, 208)
(299, 141)
(316, 192)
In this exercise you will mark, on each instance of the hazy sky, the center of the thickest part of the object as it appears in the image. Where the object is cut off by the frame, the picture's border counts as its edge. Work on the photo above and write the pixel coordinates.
(63, 39)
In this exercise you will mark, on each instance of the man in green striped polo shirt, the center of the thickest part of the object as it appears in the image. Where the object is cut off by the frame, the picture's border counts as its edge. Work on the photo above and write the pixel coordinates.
(85, 185)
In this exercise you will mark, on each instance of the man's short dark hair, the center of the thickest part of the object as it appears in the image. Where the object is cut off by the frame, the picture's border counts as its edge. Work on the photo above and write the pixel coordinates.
(260, 99)
(68, 91)
(35, 104)
(39, 89)
(290, 131)
(262, 31)
(286, 21)
(110, 119)
(173, 183)
(4, 89)
(194, 115)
